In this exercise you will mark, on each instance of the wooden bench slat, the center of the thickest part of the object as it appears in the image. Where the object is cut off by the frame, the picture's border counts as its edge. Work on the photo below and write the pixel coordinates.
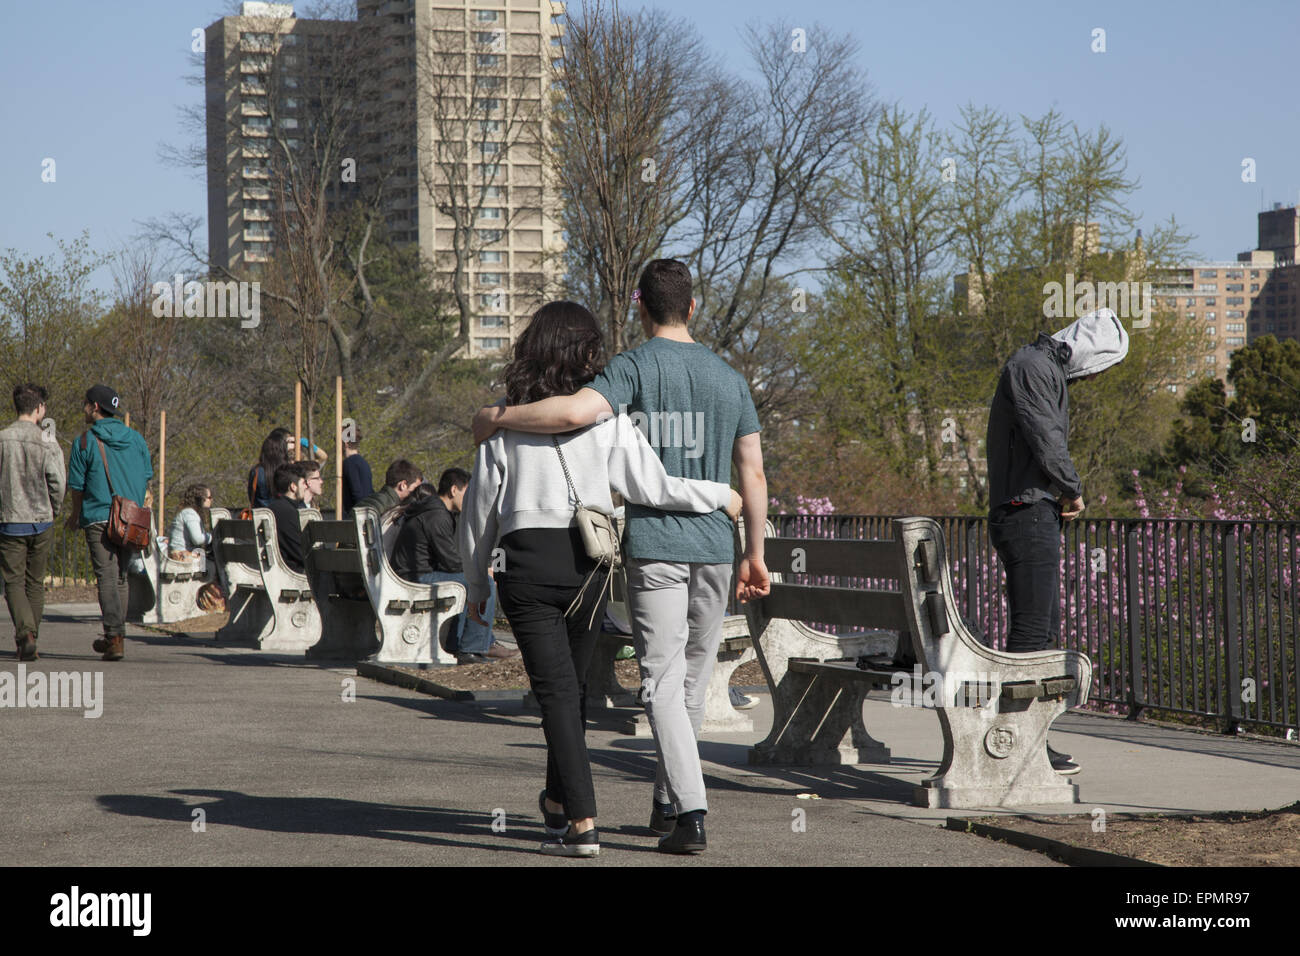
(845, 670)
(331, 532)
(833, 557)
(883, 610)
(330, 559)
(241, 554)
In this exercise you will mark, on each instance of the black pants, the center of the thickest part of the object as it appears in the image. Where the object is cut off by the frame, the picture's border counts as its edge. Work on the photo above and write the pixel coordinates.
(1028, 540)
(556, 651)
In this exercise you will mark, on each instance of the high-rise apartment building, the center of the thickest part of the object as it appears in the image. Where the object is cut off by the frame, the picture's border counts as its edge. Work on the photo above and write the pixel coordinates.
(451, 104)
(264, 52)
(1238, 302)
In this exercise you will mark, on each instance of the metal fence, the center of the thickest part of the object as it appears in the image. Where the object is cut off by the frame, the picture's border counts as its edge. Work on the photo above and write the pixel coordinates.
(1185, 616)
(69, 557)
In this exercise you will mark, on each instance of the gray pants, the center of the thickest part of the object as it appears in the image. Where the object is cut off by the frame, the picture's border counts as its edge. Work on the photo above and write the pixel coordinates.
(110, 564)
(676, 612)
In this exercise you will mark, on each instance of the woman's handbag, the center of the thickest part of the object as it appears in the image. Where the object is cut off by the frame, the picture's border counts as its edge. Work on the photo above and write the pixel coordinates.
(599, 538)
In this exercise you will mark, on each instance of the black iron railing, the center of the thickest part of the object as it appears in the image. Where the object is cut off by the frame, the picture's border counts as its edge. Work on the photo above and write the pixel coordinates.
(1185, 616)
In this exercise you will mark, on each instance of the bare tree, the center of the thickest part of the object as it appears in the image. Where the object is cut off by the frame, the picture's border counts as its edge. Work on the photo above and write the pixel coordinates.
(628, 87)
(147, 342)
(479, 118)
(301, 115)
(765, 158)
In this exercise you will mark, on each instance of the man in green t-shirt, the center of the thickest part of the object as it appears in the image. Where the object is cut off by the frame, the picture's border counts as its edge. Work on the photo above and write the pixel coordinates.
(696, 411)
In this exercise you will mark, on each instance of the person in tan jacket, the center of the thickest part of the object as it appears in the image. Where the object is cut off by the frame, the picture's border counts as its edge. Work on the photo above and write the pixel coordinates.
(32, 484)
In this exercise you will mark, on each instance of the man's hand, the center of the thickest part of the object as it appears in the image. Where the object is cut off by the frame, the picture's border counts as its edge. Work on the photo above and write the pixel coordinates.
(485, 422)
(737, 502)
(476, 612)
(1071, 508)
(752, 581)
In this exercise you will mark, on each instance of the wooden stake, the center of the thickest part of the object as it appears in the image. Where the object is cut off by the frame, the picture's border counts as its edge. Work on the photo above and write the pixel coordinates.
(338, 447)
(162, 466)
(297, 420)
(128, 419)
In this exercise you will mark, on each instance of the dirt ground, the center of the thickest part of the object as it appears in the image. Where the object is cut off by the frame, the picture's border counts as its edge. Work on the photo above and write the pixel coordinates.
(71, 594)
(1265, 838)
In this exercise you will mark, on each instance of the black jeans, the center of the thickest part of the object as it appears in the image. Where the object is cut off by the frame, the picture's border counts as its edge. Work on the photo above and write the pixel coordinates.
(1028, 540)
(556, 651)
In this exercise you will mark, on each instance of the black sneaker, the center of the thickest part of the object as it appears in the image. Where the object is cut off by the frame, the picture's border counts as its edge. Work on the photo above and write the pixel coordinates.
(1062, 763)
(27, 648)
(687, 837)
(663, 818)
(556, 824)
(574, 844)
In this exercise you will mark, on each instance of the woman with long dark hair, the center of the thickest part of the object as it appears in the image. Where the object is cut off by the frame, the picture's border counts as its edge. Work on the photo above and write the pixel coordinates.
(276, 451)
(522, 499)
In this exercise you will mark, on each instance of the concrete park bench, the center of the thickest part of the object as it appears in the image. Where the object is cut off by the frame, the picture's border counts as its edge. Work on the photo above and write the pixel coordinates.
(994, 708)
(604, 691)
(270, 604)
(168, 590)
(356, 591)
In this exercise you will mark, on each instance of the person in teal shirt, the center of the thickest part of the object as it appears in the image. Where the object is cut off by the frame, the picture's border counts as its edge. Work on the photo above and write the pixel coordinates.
(129, 470)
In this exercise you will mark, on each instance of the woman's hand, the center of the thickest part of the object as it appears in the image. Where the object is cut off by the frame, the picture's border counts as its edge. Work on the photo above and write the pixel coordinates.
(734, 506)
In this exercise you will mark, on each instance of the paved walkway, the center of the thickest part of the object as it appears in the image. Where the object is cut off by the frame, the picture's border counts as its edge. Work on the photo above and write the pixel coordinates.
(288, 772)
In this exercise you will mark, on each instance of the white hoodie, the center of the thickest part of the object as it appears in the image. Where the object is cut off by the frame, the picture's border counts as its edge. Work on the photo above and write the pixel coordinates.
(1097, 341)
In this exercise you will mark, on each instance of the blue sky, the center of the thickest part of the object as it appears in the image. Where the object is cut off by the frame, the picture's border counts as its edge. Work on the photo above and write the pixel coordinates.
(1191, 86)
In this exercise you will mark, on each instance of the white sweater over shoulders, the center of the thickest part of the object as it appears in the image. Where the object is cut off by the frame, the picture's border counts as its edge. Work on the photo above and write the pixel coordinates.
(518, 483)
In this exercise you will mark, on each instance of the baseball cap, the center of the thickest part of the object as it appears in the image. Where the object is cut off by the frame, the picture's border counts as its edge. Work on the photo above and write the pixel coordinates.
(104, 397)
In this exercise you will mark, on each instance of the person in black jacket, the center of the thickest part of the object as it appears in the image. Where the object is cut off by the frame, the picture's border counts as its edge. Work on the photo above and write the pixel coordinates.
(288, 532)
(1033, 485)
(426, 552)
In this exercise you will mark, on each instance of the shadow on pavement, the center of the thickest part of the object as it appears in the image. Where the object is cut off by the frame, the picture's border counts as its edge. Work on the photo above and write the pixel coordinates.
(431, 826)
(468, 712)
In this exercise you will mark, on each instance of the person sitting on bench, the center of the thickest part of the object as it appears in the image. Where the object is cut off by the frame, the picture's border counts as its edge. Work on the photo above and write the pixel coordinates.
(400, 480)
(187, 534)
(426, 552)
(288, 533)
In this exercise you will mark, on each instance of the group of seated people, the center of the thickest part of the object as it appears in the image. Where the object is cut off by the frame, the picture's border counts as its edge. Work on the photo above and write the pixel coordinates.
(420, 518)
